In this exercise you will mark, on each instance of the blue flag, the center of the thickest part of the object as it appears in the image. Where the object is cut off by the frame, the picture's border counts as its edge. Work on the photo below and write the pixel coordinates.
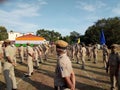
(102, 38)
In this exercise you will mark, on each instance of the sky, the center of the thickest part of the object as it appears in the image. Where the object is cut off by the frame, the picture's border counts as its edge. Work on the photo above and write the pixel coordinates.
(63, 16)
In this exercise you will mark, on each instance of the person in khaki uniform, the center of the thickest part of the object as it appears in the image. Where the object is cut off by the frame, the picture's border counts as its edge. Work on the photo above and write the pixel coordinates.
(21, 52)
(36, 52)
(14, 51)
(89, 52)
(95, 53)
(64, 74)
(83, 54)
(46, 51)
(30, 58)
(112, 66)
(8, 68)
(105, 55)
(1, 56)
(77, 53)
(119, 73)
(73, 52)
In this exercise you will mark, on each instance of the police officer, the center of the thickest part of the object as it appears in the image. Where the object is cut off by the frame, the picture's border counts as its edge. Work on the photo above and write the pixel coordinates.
(64, 75)
(36, 53)
(83, 54)
(112, 65)
(95, 53)
(1, 56)
(21, 52)
(105, 55)
(8, 68)
(119, 73)
(40, 52)
(89, 52)
(30, 58)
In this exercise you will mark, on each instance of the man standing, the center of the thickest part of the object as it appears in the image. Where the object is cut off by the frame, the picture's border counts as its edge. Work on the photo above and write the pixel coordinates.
(113, 65)
(95, 53)
(21, 52)
(83, 54)
(8, 68)
(105, 55)
(30, 57)
(1, 56)
(64, 75)
(119, 74)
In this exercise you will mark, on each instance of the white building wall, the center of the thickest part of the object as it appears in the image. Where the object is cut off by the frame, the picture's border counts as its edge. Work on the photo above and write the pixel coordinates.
(13, 35)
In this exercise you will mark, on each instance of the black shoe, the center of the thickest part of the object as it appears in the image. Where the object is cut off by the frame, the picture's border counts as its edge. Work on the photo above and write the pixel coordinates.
(27, 76)
(14, 89)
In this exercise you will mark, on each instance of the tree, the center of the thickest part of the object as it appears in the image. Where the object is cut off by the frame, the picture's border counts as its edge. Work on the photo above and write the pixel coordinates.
(48, 35)
(111, 28)
(3, 33)
(74, 36)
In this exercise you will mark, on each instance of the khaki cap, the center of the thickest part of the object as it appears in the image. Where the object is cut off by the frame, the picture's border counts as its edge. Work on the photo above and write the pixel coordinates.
(61, 44)
(7, 41)
(114, 45)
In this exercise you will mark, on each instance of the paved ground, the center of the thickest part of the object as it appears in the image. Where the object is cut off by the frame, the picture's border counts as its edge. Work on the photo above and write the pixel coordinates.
(93, 77)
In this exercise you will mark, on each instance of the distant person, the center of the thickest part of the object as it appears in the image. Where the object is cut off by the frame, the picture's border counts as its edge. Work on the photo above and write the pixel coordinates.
(30, 58)
(1, 56)
(36, 53)
(21, 53)
(45, 50)
(89, 52)
(119, 72)
(40, 52)
(113, 66)
(105, 55)
(83, 54)
(64, 74)
(95, 54)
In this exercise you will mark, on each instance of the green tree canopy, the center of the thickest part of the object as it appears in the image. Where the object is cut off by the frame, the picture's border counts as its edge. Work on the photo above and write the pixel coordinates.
(74, 36)
(3, 33)
(111, 28)
(48, 35)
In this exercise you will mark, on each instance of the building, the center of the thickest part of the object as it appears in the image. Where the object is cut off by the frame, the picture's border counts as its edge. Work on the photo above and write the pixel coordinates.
(13, 35)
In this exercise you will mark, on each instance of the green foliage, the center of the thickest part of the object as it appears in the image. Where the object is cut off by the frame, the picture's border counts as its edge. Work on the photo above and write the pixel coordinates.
(48, 35)
(111, 28)
(3, 33)
(74, 36)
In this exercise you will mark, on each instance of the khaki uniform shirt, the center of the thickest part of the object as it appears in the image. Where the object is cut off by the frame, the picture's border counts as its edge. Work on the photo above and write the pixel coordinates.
(83, 51)
(105, 51)
(9, 52)
(36, 53)
(29, 51)
(63, 69)
(1, 53)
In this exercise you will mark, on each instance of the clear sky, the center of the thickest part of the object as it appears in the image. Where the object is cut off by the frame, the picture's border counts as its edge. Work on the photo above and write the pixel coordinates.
(63, 16)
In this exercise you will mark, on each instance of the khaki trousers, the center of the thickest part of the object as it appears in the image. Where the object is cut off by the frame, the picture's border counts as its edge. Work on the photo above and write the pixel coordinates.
(9, 75)
(30, 65)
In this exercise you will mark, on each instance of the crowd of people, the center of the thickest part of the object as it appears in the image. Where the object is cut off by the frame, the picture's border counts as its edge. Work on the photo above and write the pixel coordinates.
(65, 53)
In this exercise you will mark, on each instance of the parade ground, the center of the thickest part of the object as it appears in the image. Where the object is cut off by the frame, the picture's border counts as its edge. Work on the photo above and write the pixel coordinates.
(93, 77)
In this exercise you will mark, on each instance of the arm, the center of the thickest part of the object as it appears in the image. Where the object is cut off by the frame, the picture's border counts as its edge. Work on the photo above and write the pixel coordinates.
(69, 83)
(10, 61)
(73, 78)
(107, 66)
(1, 56)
